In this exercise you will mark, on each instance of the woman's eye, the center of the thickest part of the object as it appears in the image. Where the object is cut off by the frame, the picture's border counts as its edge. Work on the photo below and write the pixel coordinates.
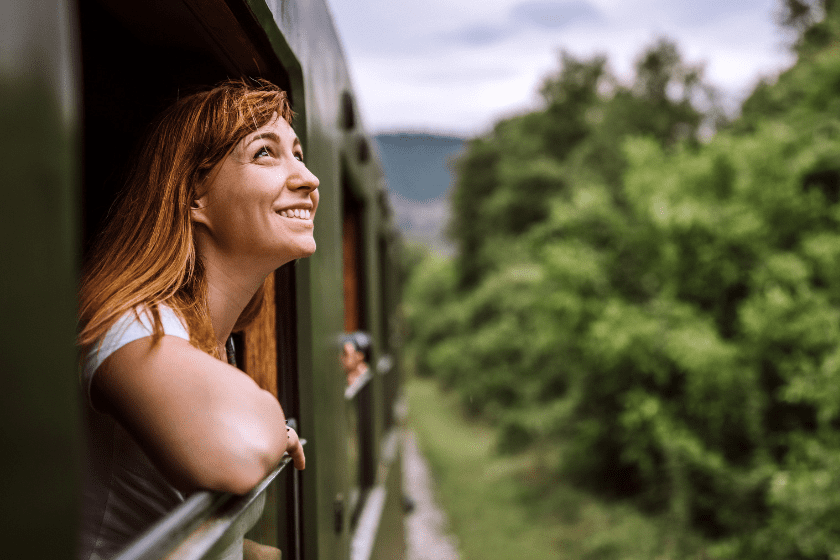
(299, 156)
(262, 152)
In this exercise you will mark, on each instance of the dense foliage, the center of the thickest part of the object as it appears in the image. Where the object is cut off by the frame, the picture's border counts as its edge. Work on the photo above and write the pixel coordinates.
(667, 305)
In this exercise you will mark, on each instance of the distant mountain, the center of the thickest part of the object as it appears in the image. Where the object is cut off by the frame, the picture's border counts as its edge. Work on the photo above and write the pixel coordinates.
(418, 170)
(416, 164)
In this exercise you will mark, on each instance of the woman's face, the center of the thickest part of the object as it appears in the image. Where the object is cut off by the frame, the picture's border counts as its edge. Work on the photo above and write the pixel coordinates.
(350, 357)
(260, 201)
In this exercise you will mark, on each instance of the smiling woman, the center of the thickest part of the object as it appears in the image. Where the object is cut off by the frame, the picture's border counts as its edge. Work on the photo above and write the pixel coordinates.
(257, 206)
(218, 198)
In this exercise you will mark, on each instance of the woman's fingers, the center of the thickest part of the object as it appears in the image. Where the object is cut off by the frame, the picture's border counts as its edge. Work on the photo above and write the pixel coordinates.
(295, 449)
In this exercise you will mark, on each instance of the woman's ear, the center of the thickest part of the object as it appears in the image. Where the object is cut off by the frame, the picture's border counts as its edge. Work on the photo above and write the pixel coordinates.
(198, 207)
(198, 210)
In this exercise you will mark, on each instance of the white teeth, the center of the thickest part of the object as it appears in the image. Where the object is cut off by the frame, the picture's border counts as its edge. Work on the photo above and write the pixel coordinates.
(301, 213)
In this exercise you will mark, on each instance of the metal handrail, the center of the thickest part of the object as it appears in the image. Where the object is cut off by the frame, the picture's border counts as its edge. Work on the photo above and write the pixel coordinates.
(196, 526)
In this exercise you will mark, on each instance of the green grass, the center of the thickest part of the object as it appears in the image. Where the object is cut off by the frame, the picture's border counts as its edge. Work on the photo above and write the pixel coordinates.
(515, 507)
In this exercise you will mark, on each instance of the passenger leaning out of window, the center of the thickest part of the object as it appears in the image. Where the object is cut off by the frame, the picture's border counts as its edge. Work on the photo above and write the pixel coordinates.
(217, 199)
(355, 355)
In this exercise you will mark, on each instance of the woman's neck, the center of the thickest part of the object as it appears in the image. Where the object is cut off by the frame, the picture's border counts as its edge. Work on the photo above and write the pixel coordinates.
(228, 292)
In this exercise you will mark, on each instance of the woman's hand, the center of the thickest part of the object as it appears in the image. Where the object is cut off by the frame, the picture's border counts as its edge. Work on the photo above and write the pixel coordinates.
(295, 449)
(255, 551)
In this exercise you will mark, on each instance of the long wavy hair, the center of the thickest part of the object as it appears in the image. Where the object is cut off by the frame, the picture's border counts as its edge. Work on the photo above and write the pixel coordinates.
(146, 254)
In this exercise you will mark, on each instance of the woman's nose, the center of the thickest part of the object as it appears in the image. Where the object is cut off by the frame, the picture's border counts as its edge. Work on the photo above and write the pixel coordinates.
(304, 179)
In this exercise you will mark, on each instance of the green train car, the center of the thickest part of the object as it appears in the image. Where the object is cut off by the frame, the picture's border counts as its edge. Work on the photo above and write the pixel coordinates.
(79, 80)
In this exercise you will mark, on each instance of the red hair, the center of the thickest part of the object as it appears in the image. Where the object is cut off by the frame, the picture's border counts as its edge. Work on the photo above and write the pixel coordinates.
(146, 254)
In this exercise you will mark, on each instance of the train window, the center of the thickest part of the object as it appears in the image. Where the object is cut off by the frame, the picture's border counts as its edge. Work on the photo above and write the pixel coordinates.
(348, 113)
(137, 58)
(353, 254)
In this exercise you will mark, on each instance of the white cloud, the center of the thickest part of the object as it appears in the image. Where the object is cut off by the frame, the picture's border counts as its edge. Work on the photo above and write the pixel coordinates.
(458, 65)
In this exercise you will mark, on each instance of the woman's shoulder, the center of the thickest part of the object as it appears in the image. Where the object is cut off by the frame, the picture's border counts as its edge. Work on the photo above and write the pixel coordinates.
(134, 324)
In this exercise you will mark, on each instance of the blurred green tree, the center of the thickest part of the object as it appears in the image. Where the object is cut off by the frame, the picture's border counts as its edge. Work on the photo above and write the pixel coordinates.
(667, 306)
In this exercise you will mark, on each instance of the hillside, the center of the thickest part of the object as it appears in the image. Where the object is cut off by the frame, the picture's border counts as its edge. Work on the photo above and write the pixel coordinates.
(416, 164)
(417, 169)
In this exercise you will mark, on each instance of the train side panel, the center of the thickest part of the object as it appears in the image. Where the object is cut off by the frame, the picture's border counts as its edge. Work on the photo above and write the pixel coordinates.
(40, 434)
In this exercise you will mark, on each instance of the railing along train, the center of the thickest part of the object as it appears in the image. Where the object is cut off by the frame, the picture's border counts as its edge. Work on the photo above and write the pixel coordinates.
(206, 525)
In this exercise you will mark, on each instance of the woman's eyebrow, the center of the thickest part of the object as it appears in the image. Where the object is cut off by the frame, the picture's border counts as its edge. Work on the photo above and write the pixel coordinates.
(265, 136)
(274, 138)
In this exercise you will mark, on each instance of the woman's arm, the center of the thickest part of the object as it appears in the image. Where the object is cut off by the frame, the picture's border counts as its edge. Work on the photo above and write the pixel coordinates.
(204, 423)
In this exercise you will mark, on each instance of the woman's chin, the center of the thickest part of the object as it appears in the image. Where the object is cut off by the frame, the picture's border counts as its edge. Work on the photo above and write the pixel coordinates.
(300, 251)
(308, 252)
(308, 248)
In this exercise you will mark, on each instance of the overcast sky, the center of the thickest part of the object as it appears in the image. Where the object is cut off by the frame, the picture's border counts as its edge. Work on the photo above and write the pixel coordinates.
(457, 66)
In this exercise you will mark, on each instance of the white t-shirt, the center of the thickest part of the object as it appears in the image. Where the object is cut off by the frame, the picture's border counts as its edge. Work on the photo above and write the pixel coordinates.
(128, 329)
(124, 492)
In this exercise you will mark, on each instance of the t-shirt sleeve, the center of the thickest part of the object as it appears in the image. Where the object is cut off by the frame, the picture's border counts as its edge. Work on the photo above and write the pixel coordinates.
(129, 328)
